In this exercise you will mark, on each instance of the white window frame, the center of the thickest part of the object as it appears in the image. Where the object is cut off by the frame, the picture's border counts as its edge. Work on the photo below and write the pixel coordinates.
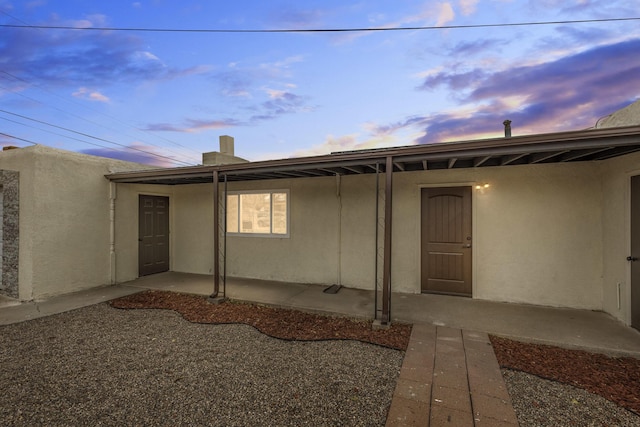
(270, 234)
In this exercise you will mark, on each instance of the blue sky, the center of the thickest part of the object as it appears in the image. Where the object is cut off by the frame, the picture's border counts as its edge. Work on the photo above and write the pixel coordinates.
(126, 94)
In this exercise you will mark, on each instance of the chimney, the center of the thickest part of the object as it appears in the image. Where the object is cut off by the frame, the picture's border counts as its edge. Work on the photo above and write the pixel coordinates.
(223, 157)
(226, 145)
(507, 128)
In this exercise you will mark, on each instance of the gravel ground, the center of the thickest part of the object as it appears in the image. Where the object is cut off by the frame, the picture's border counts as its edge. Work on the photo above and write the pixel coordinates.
(543, 403)
(103, 366)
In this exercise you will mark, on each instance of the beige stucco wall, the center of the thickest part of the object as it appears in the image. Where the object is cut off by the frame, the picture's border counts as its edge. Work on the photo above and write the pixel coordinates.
(64, 219)
(308, 255)
(543, 234)
(616, 186)
(537, 233)
(126, 227)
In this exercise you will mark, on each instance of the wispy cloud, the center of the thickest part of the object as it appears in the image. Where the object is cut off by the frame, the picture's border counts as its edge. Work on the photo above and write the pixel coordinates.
(468, 7)
(192, 125)
(138, 153)
(567, 93)
(288, 16)
(561, 94)
(445, 14)
(240, 80)
(91, 95)
(88, 58)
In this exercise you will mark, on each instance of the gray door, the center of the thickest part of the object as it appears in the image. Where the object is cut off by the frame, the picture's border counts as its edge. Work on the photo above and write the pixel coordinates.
(635, 252)
(153, 235)
(446, 240)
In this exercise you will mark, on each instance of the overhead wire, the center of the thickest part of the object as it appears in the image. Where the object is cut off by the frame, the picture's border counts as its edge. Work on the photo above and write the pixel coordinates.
(92, 109)
(94, 137)
(292, 30)
(55, 133)
(317, 30)
(87, 120)
(18, 138)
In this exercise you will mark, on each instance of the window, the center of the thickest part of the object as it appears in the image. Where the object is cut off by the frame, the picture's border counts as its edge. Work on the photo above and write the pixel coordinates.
(264, 213)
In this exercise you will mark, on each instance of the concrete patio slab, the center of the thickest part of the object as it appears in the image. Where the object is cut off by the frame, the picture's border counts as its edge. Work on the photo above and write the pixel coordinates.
(24, 311)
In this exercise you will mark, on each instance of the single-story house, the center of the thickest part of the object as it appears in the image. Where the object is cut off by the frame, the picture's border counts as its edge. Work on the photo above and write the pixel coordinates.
(548, 219)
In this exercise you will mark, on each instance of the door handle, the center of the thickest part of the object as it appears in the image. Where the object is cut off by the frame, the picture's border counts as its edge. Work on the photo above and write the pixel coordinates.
(632, 258)
(468, 245)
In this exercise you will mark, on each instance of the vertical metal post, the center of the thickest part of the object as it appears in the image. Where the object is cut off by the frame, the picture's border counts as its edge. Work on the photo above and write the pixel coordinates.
(224, 277)
(386, 275)
(216, 237)
(375, 273)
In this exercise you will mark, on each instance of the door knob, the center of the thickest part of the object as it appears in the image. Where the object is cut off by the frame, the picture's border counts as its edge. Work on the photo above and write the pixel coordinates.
(632, 258)
(468, 245)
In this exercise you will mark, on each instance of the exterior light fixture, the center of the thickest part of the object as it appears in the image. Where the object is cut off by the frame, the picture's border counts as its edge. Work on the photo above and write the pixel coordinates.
(482, 186)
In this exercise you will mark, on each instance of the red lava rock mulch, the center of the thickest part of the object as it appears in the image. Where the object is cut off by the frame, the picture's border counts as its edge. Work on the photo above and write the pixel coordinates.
(615, 378)
(275, 322)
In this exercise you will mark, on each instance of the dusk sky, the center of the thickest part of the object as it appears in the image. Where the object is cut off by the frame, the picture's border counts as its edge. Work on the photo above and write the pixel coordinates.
(166, 97)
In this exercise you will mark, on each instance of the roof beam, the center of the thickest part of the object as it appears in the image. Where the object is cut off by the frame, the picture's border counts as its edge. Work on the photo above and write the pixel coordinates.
(310, 172)
(452, 162)
(512, 158)
(541, 157)
(574, 155)
(294, 174)
(425, 165)
(617, 151)
(399, 165)
(355, 169)
(331, 171)
(480, 160)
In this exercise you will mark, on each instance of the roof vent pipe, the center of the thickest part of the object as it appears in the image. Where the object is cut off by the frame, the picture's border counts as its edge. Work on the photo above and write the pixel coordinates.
(507, 128)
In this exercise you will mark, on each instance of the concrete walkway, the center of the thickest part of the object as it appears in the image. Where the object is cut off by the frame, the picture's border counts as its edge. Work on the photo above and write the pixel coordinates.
(449, 376)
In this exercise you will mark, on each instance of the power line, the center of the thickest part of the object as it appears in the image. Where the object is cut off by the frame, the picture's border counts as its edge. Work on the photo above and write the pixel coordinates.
(56, 133)
(315, 30)
(90, 121)
(113, 118)
(19, 139)
(95, 137)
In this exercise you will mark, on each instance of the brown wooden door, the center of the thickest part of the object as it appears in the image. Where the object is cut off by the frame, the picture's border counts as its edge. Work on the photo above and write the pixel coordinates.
(446, 240)
(153, 235)
(635, 252)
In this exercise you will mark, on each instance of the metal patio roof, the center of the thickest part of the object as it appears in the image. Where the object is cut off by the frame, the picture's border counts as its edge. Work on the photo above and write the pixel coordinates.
(561, 147)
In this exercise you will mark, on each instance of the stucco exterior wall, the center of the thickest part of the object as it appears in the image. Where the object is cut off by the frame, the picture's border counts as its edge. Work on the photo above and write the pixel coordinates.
(537, 232)
(64, 219)
(307, 256)
(616, 186)
(126, 228)
(537, 235)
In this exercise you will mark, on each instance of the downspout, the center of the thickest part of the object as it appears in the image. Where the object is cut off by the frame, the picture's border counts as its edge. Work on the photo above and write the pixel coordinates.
(339, 196)
(112, 232)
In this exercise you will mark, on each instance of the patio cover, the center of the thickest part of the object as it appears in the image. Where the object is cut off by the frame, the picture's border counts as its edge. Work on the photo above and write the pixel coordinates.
(562, 147)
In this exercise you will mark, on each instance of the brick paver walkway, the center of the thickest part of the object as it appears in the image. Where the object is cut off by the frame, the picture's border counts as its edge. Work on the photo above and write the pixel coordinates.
(450, 377)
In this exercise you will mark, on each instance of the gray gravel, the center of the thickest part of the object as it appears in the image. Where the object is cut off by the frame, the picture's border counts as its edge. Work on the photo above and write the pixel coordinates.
(103, 366)
(541, 403)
